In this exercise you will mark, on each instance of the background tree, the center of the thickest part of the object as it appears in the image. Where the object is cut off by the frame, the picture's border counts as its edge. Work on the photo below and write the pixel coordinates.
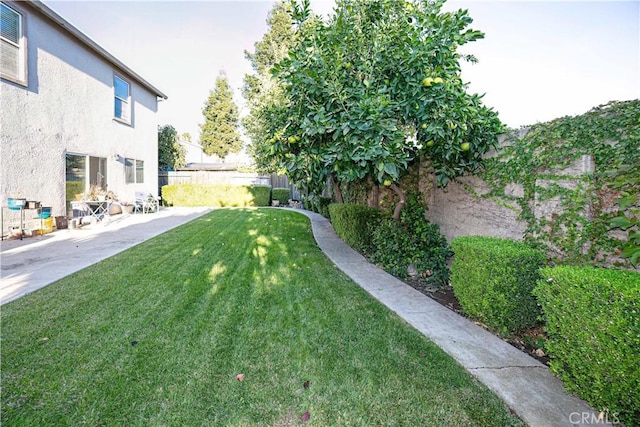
(171, 154)
(373, 89)
(260, 89)
(219, 134)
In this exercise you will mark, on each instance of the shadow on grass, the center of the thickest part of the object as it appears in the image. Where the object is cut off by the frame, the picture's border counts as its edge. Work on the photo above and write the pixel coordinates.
(157, 335)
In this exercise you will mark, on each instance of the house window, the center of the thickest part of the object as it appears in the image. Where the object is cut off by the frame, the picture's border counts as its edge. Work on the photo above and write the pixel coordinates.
(134, 171)
(122, 100)
(13, 58)
(139, 171)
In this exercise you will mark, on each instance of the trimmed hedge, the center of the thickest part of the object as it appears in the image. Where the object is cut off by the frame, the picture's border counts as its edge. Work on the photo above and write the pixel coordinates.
(493, 280)
(281, 194)
(354, 223)
(593, 322)
(215, 195)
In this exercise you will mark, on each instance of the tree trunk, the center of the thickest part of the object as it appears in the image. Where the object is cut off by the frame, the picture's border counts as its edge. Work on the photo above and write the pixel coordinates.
(374, 199)
(336, 189)
(402, 200)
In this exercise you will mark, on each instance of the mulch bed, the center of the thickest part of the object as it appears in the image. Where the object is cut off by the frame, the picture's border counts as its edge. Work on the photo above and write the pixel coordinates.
(525, 341)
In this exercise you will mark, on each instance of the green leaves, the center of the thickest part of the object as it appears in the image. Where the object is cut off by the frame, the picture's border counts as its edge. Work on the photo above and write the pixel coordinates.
(263, 94)
(594, 311)
(631, 247)
(411, 242)
(299, 12)
(219, 133)
(632, 250)
(622, 222)
(171, 154)
(626, 179)
(354, 91)
(627, 200)
(538, 155)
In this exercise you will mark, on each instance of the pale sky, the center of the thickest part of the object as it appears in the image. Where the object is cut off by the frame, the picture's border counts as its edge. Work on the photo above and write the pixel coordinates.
(539, 60)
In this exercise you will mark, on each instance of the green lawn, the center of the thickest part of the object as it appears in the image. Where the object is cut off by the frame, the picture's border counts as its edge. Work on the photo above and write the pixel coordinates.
(157, 334)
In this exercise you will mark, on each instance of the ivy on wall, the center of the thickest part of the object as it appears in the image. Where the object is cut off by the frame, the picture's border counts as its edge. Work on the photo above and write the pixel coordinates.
(575, 181)
(543, 163)
(625, 181)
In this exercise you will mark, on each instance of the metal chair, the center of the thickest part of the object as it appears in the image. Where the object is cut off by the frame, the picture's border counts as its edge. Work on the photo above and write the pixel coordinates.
(145, 203)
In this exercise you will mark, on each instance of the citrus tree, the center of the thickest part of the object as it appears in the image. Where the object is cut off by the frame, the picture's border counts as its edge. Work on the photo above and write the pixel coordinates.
(372, 89)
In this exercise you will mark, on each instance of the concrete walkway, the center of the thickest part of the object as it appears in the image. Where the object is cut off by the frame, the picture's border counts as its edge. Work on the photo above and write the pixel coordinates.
(32, 263)
(522, 382)
(525, 384)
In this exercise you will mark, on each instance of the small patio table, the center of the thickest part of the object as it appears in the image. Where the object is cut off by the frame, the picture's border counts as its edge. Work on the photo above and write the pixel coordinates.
(94, 208)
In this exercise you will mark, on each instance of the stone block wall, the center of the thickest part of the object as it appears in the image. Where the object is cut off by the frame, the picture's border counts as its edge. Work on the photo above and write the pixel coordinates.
(458, 212)
(465, 207)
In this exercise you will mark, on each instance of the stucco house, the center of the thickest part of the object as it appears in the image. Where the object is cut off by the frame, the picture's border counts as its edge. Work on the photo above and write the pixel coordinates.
(71, 114)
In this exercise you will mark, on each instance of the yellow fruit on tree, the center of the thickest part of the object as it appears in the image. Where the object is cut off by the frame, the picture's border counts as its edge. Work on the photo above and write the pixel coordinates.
(438, 80)
(427, 81)
(465, 146)
(387, 182)
(424, 126)
(430, 143)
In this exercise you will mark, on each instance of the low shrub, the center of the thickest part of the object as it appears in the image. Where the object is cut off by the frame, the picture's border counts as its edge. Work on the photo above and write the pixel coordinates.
(323, 206)
(281, 194)
(493, 280)
(592, 318)
(412, 243)
(354, 223)
(319, 204)
(215, 195)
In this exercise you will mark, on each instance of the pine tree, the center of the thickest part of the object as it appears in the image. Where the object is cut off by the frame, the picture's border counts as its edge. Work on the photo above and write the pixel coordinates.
(260, 89)
(219, 134)
(275, 43)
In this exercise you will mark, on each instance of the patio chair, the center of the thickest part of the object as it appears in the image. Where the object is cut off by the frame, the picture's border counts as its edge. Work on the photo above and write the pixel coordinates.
(145, 203)
(151, 204)
(138, 205)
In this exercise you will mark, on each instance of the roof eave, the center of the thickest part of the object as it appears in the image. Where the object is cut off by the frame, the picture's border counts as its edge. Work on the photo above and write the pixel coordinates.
(46, 11)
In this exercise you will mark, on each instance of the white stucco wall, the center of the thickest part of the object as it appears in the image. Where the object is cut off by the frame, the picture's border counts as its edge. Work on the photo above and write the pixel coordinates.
(68, 107)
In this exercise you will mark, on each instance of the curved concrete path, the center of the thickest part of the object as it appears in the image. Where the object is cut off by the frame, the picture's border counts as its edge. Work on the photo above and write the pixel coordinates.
(525, 384)
(522, 382)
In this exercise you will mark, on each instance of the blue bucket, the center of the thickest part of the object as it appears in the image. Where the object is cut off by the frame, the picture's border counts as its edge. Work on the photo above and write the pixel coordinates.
(44, 213)
(16, 204)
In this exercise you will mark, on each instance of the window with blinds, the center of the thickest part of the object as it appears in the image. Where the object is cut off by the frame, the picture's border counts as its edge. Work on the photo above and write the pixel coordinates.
(122, 106)
(12, 59)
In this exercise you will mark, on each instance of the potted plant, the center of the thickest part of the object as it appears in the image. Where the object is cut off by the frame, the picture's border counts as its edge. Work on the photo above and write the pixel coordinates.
(96, 193)
(127, 207)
